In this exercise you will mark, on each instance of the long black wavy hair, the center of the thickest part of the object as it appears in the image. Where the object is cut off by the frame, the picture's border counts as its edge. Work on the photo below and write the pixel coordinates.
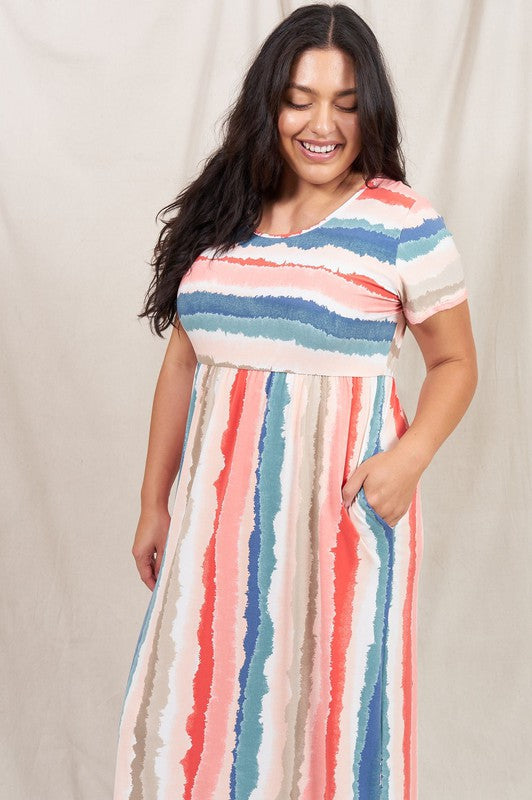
(223, 205)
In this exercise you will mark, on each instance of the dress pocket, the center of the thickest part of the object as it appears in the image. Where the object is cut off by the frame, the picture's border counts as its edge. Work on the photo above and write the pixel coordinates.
(367, 505)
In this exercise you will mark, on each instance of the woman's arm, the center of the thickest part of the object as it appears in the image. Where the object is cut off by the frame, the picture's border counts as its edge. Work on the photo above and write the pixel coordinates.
(446, 342)
(448, 348)
(167, 430)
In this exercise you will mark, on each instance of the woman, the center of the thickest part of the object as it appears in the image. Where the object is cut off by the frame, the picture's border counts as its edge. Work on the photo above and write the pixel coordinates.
(277, 658)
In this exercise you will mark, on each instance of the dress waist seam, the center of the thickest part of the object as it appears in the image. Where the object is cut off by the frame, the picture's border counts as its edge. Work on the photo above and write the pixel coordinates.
(248, 367)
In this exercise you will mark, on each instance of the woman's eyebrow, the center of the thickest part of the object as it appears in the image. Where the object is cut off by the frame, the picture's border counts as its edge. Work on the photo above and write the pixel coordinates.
(307, 89)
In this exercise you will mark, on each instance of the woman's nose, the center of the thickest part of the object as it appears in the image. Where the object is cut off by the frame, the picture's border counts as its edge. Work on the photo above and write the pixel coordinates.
(322, 119)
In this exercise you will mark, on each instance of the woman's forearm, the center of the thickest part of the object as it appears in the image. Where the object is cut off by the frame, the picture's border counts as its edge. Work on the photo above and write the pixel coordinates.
(445, 395)
(167, 430)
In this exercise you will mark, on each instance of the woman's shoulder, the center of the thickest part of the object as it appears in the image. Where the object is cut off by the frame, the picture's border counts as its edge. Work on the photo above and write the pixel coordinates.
(399, 193)
(402, 205)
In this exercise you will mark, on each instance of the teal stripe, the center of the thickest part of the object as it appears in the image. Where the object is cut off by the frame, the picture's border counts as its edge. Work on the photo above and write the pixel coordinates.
(363, 224)
(421, 247)
(284, 330)
(269, 496)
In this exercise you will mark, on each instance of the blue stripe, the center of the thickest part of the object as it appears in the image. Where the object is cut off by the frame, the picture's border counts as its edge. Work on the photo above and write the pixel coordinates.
(286, 308)
(379, 244)
(374, 773)
(420, 248)
(429, 227)
(368, 748)
(258, 640)
(276, 308)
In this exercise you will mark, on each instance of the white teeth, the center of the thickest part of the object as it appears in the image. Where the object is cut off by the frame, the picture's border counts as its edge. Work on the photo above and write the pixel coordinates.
(313, 149)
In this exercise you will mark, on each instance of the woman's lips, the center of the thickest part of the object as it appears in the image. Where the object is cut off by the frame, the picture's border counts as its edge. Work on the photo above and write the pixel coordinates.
(318, 156)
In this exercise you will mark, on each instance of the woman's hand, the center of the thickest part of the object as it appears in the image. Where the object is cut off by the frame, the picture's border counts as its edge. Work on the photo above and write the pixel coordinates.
(150, 539)
(389, 482)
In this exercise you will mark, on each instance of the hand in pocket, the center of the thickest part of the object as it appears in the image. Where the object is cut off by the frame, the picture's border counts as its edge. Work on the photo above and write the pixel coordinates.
(387, 483)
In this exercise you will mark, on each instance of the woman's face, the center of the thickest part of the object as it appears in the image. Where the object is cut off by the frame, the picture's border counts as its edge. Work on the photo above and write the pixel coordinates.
(321, 109)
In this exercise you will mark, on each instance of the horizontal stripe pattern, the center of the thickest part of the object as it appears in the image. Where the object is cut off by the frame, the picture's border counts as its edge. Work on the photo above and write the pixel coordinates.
(429, 264)
(331, 300)
(277, 656)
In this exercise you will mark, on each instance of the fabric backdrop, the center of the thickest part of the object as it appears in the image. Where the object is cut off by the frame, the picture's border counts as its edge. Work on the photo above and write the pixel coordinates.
(108, 109)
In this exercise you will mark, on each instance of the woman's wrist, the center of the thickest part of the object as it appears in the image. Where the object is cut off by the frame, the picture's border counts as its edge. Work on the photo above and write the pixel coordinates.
(150, 501)
(415, 449)
(156, 486)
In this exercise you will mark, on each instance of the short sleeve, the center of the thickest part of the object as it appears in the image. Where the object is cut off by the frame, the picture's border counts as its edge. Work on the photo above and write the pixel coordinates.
(428, 263)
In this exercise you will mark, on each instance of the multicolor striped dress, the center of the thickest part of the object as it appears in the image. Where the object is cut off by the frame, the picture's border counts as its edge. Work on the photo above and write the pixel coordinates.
(277, 657)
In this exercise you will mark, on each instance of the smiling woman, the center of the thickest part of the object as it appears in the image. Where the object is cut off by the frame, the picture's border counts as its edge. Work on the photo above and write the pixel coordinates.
(277, 656)
(319, 141)
(318, 145)
(313, 111)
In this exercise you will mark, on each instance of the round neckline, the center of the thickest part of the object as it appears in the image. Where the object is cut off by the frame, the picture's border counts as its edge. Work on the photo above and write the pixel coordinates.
(317, 224)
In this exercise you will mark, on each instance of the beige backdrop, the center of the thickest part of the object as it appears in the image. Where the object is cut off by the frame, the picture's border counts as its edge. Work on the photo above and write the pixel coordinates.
(107, 111)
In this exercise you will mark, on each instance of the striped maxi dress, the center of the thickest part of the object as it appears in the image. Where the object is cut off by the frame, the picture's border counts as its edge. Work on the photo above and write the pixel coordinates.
(277, 656)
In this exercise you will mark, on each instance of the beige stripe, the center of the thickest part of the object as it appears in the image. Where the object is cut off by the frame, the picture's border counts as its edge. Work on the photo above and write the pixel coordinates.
(297, 511)
(431, 299)
(145, 781)
(308, 534)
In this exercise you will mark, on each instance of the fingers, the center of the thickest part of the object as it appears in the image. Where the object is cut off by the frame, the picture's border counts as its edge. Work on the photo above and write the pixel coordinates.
(348, 495)
(145, 566)
(157, 563)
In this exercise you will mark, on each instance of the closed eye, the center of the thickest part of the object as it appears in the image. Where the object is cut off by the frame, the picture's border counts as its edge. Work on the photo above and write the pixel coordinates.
(295, 105)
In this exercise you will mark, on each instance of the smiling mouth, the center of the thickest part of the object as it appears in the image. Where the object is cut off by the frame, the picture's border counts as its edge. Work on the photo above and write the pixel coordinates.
(310, 147)
(318, 156)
